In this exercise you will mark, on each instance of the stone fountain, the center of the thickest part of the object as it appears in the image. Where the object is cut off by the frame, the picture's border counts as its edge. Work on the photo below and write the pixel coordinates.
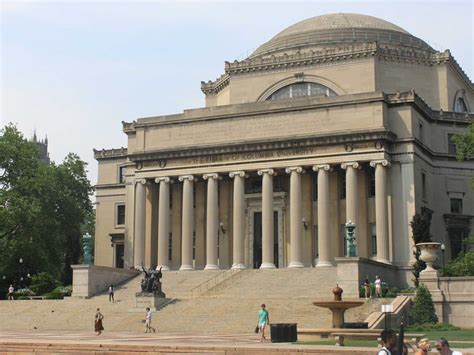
(338, 307)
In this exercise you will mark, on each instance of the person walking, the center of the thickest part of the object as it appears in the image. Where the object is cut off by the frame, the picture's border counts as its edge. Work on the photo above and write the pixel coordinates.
(98, 322)
(442, 345)
(263, 320)
(111, 293)
(11, 291)
(367, 287)
(148, 327)
(378, 286)
(389, 341)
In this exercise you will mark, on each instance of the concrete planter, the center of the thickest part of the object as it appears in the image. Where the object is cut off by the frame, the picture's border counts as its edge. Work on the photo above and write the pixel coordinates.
(429, 254)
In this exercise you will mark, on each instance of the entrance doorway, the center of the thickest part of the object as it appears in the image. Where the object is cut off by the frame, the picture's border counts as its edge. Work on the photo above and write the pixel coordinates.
(119, 253)
(257, 239)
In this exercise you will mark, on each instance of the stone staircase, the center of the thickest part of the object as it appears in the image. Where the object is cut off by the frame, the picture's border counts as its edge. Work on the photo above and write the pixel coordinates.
(228, 306)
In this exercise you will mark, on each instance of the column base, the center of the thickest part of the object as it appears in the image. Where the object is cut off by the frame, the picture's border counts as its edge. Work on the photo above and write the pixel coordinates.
(295, 264)
(211, 267)
(267, 266)
(163, 268)
(324, 264)
(238, 266)
(186, 268)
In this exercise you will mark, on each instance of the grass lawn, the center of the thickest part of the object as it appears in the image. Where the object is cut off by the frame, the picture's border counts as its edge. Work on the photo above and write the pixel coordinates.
(433, 335)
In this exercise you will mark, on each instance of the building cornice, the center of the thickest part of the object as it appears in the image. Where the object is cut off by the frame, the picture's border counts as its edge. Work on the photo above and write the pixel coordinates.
(410, 97)
(328, 55)
(113, 153)
(381, 135)
(213, 87)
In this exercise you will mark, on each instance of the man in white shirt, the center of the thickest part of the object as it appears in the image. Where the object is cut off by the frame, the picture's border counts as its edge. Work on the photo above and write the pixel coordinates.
(148, 327)
(378, 287)
(442, 346)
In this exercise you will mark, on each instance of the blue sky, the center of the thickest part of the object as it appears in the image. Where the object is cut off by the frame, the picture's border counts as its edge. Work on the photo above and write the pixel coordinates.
(75, 70)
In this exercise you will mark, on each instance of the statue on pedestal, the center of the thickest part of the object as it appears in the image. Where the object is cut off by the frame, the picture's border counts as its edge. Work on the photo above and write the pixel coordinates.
(151, 283)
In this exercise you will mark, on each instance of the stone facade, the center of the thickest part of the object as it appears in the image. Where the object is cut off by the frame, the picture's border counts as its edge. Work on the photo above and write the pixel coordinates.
(361, 132)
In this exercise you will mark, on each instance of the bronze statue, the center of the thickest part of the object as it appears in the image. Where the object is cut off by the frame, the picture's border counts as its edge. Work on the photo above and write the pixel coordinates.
(151, 283)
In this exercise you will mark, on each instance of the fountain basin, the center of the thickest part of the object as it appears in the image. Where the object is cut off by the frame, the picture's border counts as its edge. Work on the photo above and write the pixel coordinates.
(338, 308)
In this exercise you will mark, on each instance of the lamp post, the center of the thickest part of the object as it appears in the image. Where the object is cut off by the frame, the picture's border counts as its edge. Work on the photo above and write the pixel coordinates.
(351, 251)
(443, 248)
(21, 271)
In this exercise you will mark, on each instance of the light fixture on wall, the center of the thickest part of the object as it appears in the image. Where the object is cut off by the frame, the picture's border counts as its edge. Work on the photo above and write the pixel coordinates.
(221, 227)
(443, 248)
(305, 226)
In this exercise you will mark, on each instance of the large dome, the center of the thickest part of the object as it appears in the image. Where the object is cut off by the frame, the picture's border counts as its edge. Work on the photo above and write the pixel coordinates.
(338, 29)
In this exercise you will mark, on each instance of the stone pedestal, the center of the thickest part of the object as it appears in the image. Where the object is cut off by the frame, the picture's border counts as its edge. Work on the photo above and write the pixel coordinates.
(152, 300)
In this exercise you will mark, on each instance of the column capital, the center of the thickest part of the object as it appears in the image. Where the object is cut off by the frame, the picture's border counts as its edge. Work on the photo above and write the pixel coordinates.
(214, 176)
(240, 173)
(352, 164)
(326, 167)
(298, 169)
(186, 177)
(266, 171)
(140, 181)
(163, 179)
(383, 162)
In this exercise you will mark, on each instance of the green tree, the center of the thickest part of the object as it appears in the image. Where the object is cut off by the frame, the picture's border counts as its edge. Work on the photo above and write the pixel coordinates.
(463, 265)
(423, 310)
(420, 226)
(42, 209)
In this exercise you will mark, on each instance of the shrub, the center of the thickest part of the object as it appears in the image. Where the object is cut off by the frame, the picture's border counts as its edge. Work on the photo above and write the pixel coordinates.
(54, 296)
(21, 297)
(64, 290)
(423, 310)
(43, 283)
(385, 290)
(25, 292)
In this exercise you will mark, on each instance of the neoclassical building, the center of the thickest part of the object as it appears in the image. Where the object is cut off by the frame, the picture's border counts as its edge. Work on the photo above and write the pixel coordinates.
(341, 117)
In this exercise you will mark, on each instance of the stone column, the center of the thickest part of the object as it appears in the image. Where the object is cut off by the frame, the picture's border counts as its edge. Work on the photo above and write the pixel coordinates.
(381, 210)
(296, 253)
(140, 221)
(188, 223)
(163, 222)
(212, 221)
(323, 215)
(351, 191)
(238, 220)
(267, 219)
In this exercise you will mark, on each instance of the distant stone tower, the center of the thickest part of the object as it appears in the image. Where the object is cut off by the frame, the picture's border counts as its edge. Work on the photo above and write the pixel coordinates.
(42, 146)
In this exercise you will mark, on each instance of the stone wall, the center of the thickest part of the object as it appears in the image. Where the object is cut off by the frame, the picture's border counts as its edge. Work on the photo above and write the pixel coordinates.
(453, 298)
(351, 273)
(89, 280)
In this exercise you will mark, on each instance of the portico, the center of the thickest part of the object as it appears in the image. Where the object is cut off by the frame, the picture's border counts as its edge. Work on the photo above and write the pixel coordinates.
(265, 229)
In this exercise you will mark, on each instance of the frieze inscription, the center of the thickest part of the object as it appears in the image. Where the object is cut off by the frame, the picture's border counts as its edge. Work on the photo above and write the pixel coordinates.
(252, 156)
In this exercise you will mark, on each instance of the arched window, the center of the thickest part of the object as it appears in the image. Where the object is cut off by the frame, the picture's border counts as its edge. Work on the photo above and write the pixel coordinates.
(460, 105)
(301, 89)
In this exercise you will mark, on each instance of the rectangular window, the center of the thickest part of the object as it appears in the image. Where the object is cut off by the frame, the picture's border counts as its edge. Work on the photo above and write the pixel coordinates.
(314, 187)
(423, 186)
(342, 185)
(456, 205)
(451, 145)
(120, 215)
(121, 175)
(370, 182)
(194, 245)
(170, 246)
(343, 240)
(373, 238)
(420, 132)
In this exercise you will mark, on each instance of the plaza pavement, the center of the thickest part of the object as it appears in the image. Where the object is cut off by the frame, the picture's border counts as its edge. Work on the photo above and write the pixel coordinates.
(36, 342)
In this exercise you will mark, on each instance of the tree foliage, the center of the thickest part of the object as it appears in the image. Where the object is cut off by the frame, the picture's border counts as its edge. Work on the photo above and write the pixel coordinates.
(42, 209)
(420, 226)
(423, 310)
(463, 265)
